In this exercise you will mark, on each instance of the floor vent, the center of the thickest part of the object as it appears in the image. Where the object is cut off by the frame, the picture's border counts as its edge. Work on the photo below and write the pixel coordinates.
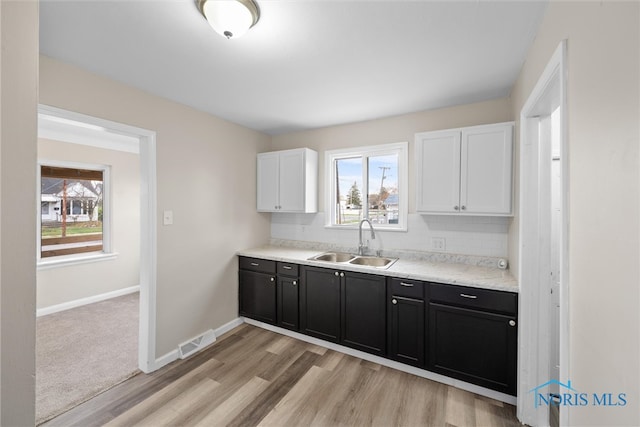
(186, 349)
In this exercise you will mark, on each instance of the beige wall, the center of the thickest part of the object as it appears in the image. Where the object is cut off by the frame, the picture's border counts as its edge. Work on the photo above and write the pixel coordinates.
(393, 129)
(603, 134)
(69, 283)
(206, 175)
(18, 133)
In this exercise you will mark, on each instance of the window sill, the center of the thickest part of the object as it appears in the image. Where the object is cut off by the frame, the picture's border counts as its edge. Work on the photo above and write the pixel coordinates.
(366, 228)
(69, 260)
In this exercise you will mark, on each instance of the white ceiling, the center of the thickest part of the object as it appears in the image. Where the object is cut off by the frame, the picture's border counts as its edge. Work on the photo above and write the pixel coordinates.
(307, 63)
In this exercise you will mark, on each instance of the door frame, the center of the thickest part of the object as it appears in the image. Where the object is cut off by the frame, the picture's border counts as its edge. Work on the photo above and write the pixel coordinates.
(535, 216)
(148, 225)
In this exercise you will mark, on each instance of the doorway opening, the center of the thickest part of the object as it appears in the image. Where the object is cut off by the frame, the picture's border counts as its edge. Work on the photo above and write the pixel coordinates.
(543, 363)
(75, 128)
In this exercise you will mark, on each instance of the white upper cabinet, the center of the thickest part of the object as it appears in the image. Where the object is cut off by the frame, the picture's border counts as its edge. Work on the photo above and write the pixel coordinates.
(288, 181)
(465, 171)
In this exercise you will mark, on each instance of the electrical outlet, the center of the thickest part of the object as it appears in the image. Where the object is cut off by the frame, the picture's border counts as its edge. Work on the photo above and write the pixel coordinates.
(437, 243)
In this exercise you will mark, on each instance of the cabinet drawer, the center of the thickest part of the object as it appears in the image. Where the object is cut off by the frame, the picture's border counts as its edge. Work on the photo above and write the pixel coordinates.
(484, 299)
(287, 269)
(406, 288)
(257, 264)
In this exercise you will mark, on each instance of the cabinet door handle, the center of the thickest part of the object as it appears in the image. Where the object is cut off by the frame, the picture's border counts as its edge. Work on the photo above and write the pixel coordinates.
(512, 323)
(341, 274)
(287, 267)
(463, 207)
(336, 273)
(394, 301)
(294, 282)
(456, 207)
(408, 285)
(255, 264)
(272, 279)
(468, 296)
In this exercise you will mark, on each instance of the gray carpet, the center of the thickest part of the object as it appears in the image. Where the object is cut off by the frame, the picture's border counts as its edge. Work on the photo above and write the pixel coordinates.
(84, 351)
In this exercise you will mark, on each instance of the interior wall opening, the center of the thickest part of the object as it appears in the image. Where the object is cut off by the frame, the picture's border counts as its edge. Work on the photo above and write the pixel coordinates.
(61, 130)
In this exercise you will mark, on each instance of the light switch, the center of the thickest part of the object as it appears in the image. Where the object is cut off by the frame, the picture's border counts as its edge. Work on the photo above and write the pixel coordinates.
(167, 218)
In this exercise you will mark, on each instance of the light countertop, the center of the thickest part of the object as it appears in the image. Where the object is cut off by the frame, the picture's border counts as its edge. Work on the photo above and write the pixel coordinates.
(441, 272)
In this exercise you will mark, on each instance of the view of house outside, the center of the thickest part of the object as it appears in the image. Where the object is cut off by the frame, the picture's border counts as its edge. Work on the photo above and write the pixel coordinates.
(71, 211)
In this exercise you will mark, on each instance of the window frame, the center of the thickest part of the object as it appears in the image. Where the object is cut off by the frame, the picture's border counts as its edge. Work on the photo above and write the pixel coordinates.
(107, 250)
(399, 148)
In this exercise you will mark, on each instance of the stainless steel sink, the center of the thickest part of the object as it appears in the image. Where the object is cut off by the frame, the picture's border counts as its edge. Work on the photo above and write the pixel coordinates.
(370, 261)
(365, 261)
(334, 257)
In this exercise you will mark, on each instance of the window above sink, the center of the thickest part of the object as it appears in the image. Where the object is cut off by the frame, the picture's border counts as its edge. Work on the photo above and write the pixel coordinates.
(367, 182)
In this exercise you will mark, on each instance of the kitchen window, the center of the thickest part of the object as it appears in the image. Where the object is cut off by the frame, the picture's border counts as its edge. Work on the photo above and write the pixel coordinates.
(367, 182)
(73, 219)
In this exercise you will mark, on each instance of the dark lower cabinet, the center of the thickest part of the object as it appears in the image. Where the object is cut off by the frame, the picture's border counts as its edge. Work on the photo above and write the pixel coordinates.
(320, 303)
(473, 345)
(344, 307)
(461, 332)
(288, 302)
(258, 296)
(406, 321)
(363, 312)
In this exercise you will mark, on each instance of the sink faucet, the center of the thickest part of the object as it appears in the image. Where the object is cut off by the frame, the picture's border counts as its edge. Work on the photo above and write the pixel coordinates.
(361, 246)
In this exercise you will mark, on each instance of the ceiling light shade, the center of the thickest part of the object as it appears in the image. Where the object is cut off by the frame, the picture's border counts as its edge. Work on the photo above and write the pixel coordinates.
(230, 18)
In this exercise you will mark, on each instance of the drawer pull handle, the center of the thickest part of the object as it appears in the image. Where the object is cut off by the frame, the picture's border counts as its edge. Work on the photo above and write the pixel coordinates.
(512, 323)
(255, 264)
(468, 296)
(408, 285)
(394, 301)
(287, 267)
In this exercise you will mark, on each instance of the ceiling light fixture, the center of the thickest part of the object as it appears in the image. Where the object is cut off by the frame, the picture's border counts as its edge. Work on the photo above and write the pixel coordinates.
(230, 18)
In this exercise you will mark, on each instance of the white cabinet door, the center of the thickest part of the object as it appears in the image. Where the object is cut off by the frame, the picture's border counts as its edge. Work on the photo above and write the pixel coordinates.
(485, 169)
(268, 182)
(292, 181)
(465, 171)
(438, 172)
(288, 181)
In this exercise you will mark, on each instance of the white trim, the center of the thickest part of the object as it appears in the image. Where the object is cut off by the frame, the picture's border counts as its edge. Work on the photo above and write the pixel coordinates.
(148, 224)
(535, 159)
(66, 126)
(76, 259)
(84, 301)
(492, 394)
(165, 359)
(174, 355)
(402, 149)
(148, 250)
(229, 326)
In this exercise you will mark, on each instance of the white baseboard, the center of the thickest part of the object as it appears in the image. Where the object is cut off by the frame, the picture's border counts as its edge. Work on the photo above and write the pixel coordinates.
(175, 354)
(502, 397)
(165, 360)
(84, 301)
(229, 326)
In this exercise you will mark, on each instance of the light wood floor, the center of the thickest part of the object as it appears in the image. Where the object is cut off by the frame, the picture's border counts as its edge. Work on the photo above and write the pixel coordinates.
(251, 377)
